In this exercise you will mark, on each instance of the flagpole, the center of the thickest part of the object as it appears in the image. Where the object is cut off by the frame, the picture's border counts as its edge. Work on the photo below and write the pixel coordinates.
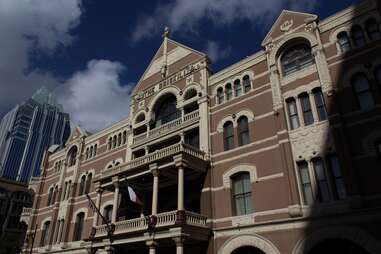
(109, 227)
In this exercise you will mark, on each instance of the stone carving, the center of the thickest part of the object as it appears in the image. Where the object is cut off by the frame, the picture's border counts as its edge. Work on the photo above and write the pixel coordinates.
(285, 27)
(309, 27)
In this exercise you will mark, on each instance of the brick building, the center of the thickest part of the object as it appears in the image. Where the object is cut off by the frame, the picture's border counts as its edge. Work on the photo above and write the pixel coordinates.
(278, 153)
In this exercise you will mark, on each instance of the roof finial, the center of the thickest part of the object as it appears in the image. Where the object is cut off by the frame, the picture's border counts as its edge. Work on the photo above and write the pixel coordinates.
(166, 32)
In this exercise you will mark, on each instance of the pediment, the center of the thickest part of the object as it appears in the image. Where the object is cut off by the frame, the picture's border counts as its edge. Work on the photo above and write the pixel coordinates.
(287, 21)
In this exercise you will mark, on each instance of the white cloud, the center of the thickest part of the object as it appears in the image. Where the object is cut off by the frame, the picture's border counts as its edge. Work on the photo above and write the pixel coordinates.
(31, 27)
(185, 15)
(94, 97)
(215, 52)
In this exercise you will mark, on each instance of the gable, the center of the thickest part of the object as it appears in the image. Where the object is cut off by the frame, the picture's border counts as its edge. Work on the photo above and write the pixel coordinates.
(178, 56)
(286, 22)
(75, 134)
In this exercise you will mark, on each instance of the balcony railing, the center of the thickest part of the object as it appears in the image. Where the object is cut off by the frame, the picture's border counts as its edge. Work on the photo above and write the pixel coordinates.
(166, 219)
(166, 128)
(157, 155)
(26, 211)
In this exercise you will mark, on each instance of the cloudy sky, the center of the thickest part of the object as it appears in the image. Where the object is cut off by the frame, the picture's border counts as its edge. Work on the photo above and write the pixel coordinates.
(92, 52)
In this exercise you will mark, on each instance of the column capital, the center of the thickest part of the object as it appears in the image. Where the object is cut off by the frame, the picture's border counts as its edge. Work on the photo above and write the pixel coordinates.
(151, 243)
(99, 190)
(179, 160)
(179, 240)
(203, 99)
(154, 169)
(115, 181)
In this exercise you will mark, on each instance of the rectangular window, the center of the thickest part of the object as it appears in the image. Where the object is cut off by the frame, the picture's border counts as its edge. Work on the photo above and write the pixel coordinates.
(293, 114)
(321, 180)
(320, 105)
(306, 183)
(306, 108)
(338, 181)
(242, 194)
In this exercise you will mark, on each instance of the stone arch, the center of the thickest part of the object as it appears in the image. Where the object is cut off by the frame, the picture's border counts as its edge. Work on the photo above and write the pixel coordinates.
(138, 115)
(168, 90)
(191, 86)
(80, 210)
(245, 112)
(253, 240)
(286, 40)
(220, 126)
(353, 234)
(251, 169)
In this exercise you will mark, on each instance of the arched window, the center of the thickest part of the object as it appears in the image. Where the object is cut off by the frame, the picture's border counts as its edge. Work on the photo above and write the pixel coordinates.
(91, 152)
(107, 213)
(114, 140)
(228, 92)
(64, 191)
(319, 103)
(119, 139)
(220, 95)
(50, 196)
(166, 111)
(344, 42)
(305, 180)
(292, 113)
(296, 58)
(109, 145)
(241, 193)
(357, 36)
(243, 128)
(55, 192)
(78, 227)
(190, 93)
(72, 156)
(124, 137)
(247, 250)
(69, 186)
(228, 136)
(360, 85)
(87, 153)
(237, 87)
(373, 29)
(306, 108)
(246, 83)
(82, 185)
(95, 149)
(88, 183)
(45, 234)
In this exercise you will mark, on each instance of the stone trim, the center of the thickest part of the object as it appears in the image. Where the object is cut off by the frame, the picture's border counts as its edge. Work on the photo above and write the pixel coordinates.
(251, 169)
(254, 240)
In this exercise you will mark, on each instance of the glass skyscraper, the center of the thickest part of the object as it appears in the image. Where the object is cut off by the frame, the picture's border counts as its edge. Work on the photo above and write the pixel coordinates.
(27, 131)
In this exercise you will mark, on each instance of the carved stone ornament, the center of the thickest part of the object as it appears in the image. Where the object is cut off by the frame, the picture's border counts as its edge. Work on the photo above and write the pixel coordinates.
(286, 25)
(309, 27)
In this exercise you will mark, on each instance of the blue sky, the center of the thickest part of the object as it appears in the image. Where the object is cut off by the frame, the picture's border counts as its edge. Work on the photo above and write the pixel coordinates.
(92, 52)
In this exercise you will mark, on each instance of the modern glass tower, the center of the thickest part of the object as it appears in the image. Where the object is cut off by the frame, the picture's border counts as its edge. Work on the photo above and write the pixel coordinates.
(27, 131)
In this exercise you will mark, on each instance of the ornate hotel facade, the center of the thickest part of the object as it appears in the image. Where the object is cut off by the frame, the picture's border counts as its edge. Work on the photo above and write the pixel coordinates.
(278, 153)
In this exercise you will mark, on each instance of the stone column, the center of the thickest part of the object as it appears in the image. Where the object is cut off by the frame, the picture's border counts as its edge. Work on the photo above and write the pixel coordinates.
(204, 124)
(179, 244)
(116, 200)
(152, 246)
(180, 188)
(155, 187)
(99, 191)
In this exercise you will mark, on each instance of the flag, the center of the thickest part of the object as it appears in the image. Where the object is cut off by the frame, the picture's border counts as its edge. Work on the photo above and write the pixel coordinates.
(133, 197)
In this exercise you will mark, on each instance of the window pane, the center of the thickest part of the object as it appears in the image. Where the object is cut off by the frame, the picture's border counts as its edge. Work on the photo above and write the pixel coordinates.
(320, 105)
(237, 88)
(338, 181)
(306, 183)
(246, 83)
(243, 128)
(306, 107)
(344, 42)
(296, 59)
(228, 136)
(241, 193)
(229, 92)
(293, 114)
(361, 87)
(322, 181)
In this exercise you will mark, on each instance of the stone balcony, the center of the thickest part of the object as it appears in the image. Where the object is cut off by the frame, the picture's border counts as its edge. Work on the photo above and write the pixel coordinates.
(158, 155)
(164, 220)
(169, 127)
